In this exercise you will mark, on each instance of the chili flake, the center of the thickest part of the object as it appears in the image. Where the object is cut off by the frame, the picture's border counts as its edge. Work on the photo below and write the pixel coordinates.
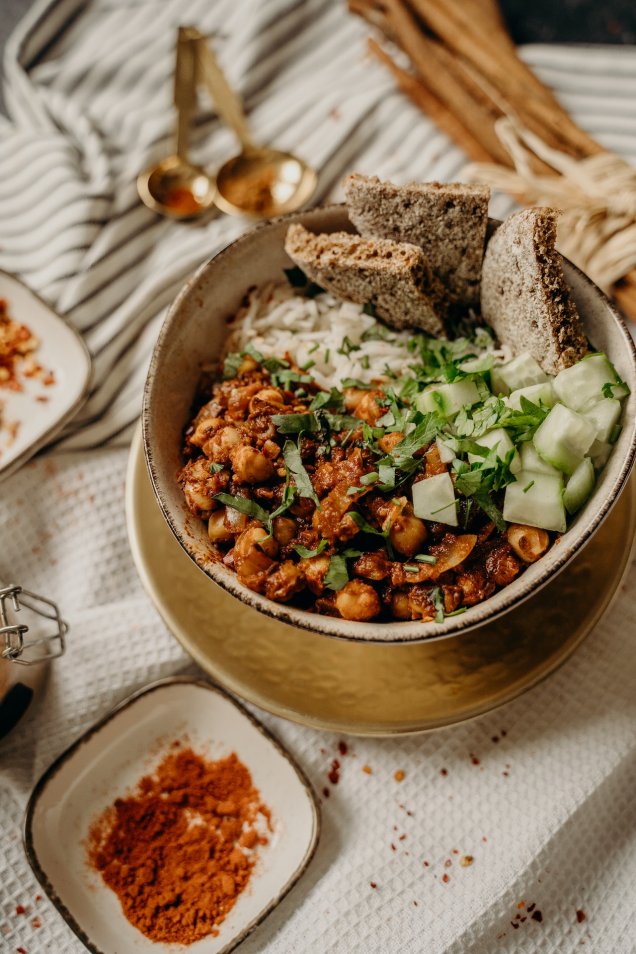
(399, 776)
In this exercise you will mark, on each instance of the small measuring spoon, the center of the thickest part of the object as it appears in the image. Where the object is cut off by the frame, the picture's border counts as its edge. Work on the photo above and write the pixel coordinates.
(260, 182)
(175, 187)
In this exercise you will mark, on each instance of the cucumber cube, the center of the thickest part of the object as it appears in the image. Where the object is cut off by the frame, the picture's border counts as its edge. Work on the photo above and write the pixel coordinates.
(537, 393)
(500, 439)
(579, 486)
(446, 452)
(599, 454)
(564, 438)
(531, 462)
(448, 399)
(434, 499)
(582, 384)
(521, 372)
(604, 416)
(477, 365)
(536, 500)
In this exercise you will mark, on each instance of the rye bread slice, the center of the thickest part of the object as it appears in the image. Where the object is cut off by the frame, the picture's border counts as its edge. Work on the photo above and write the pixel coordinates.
(447, 220)
(524, 295)
(394, 277)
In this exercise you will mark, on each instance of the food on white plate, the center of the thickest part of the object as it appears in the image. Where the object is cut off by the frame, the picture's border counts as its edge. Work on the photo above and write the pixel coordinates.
(18, 348)
(377, 474)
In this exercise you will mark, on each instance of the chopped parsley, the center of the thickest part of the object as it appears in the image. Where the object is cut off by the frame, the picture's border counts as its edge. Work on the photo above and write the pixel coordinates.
(337, 574)
(308, 554)
(295, 466)
(249, 507)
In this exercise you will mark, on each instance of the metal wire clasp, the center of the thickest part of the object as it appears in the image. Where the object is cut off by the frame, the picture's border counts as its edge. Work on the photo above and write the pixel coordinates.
(13, 643)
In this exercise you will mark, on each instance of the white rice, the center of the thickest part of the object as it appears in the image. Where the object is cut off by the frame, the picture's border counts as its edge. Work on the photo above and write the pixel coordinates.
(277, 320)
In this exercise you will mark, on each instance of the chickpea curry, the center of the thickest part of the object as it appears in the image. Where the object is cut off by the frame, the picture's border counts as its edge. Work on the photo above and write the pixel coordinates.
(313, 496)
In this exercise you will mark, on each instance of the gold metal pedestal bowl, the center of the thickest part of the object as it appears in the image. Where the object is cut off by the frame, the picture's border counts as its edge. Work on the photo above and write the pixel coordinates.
(371, 688)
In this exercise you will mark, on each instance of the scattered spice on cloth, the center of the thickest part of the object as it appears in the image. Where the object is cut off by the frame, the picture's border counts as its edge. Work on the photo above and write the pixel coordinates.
(180, 848)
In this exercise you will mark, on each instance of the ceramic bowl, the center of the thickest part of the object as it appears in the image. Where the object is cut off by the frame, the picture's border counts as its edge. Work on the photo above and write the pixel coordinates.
(193, 335)
(34, 415)
(109, 760)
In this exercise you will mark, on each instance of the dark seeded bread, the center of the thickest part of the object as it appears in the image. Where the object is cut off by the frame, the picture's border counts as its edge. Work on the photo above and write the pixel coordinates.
(524, 294)
(394, 277)
(447, 220)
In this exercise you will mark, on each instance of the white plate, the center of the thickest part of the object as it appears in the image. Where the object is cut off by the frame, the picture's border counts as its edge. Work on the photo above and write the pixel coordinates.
(61, 351)
(110, 758)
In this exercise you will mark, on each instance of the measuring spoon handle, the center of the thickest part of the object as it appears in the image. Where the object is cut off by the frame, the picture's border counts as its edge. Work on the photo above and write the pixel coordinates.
(227, 102)
(184, 89)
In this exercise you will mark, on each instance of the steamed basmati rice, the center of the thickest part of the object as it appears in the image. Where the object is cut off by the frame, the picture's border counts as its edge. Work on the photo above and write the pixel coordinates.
(339, 337)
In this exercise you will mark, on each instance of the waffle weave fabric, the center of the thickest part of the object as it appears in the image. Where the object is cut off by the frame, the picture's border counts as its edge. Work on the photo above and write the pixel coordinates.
(546, 812)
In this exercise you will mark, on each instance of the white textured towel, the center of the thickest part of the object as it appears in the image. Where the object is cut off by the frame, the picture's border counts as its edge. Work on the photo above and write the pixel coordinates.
(547, 812)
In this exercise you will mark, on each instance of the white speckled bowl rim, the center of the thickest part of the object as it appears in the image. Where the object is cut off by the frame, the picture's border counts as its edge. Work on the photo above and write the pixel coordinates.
(611, 482)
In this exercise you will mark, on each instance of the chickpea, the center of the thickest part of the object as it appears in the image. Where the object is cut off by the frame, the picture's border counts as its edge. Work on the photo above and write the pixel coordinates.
(284, 530)
(217, 529)
(389, 441)
(284, 582)
(400, 608)
(407, 534)
(204, 431)
(315, 570)
(266, 396)
(195, 476)
(352, 397)
(529, 543)
(250, 466)
(372, 566)
(239, 399)
(223, 443)
(368, 409)
(357, 601)
(247, 364)
(235, 521)
(254, 552)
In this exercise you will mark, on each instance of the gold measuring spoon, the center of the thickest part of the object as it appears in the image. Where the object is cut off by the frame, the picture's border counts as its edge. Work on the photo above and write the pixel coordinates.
(260, 182)
(175, 187)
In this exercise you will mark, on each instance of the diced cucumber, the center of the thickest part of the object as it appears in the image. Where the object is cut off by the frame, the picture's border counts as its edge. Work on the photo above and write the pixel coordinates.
(500, 439)
(604, 416)
(448, 399)
(434, 499)
(446, 452)
(582, 384)
(537, 393)
(599, 454)
(521, 372)
(579, 486)
(564, 438)
(530, 461)
(476, 365)
(536, 500)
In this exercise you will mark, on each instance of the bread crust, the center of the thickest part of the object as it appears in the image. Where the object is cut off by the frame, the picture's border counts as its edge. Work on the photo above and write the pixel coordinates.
(394, 277)
(524, 295)
(447, 221)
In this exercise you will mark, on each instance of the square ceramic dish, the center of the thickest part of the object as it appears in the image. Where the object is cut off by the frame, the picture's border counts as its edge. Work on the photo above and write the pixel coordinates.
(30, 423)
(110, 758)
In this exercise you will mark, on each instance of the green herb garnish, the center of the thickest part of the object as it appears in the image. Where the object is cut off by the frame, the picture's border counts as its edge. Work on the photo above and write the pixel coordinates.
(294, 464)
(337, 575)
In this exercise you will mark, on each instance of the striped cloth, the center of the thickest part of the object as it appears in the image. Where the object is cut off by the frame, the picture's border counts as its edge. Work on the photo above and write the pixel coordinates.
(88, 88)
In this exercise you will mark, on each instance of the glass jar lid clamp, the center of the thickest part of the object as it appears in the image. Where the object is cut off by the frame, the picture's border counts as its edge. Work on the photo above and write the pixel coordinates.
(15, 643)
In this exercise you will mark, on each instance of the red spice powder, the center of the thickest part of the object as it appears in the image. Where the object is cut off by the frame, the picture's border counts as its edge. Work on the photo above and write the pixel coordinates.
(181, 847)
